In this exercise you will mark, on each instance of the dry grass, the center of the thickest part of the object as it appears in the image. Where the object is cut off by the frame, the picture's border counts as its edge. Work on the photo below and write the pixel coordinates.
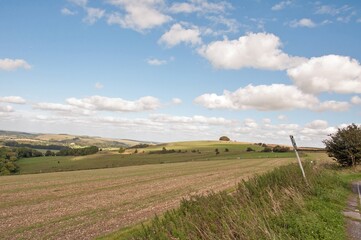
(86, 204)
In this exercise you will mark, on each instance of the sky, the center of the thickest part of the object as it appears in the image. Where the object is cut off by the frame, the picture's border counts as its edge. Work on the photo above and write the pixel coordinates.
(161, 70)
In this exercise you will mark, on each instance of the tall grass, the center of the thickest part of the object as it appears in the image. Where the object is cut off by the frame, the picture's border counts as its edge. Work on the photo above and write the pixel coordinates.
(276, 205)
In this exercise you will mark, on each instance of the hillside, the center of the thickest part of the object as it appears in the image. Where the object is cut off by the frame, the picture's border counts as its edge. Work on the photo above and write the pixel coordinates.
(66, 140)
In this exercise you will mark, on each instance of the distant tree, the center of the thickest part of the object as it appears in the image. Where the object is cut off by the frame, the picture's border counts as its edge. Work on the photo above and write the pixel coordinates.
(121, 150)
(344, 146)
(136, 151)
(267, 149)
(278, 148)
(249, 149)
(8, 161)
(226, 150)
(217, 151)
(224, 138)
(49, 153)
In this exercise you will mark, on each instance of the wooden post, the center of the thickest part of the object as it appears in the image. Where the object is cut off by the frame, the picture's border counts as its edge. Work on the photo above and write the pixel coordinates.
(298, 158)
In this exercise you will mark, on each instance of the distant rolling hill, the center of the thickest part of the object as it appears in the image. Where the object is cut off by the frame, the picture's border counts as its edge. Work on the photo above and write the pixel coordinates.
(67, 139)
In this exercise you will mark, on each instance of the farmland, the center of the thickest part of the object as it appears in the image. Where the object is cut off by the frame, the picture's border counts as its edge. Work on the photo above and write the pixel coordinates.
(86, 204)
(184, 152)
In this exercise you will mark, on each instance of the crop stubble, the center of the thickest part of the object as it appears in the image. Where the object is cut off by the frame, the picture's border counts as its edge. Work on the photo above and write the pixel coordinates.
(87, 204)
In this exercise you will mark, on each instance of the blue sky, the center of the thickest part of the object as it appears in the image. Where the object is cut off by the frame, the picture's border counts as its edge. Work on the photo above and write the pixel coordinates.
(158, 70)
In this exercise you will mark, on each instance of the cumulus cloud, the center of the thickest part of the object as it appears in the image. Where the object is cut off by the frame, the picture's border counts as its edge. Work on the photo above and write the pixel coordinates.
(115, 104)
(6, 108)
(139, 15)
(197, 119)
(281, 5)
(176, 101)
(356, 100)
(13, 99)
(255, 50)
(268, 98)
(304, 22)
(331, 73)
(8, 64)
(156, 62)
(201, 6)
(177, 35)
(67, 12)
(317, 124)
(93, 15)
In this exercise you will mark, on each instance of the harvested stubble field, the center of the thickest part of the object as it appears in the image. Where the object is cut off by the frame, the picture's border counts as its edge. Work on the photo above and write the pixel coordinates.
(92, 203)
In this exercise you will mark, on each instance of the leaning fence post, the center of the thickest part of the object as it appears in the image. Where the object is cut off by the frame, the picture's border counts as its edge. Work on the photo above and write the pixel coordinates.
(298, 158)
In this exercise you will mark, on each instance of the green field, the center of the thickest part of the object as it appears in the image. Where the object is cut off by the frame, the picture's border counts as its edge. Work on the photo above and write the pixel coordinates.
(202, 151)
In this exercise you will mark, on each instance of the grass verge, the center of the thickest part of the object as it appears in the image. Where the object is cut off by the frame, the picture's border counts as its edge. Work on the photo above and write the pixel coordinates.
(276, 205)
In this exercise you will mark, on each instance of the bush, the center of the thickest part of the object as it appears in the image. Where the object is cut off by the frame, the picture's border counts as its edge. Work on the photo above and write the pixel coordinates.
(344, 146)
(278, 148)
(249, 149)
(267, 149)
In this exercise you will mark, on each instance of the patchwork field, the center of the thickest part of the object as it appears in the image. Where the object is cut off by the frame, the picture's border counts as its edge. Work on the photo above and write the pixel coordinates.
(184, 152)
(92, 203)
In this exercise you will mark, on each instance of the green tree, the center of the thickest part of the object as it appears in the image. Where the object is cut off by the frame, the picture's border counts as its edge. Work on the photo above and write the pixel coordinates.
(224, 138)
(344, 146)
(249, 149)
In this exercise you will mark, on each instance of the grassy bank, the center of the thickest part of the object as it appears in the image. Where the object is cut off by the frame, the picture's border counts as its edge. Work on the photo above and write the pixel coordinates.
(276, 205)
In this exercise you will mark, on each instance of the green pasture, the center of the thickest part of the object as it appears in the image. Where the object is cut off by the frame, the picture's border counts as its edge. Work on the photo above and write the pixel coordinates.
(189, 151)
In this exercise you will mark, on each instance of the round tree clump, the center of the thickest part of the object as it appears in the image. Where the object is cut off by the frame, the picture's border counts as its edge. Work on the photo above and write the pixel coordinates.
(224, 138)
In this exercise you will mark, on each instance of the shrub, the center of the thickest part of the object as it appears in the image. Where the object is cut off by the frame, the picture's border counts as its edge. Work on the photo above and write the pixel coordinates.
(249, 149)
(344, 146)
(278, 148)
(267, 149)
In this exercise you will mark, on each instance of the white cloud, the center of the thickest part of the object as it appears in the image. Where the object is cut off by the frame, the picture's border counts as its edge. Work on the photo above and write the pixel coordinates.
(177, 35)
(317, 124)
(282, 117)
(6, 108)
(13, 64)
(332, 106)
(13, 99)
(140, 15)
(156, 62)
(98, 85)
(67, 12)
(255, 50)
(268, 98)
(64, 109)
(221, 25)
(93, 15)
(115, 104)
(81, 3)
(53, 107)
(201, 6)
(342, 14)
(358, 20)
(176, 101)
(281, 5)
(356, 100)
(266, 120)
(197, 119)
(304, 22)
(331, 73)
(332, 10)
